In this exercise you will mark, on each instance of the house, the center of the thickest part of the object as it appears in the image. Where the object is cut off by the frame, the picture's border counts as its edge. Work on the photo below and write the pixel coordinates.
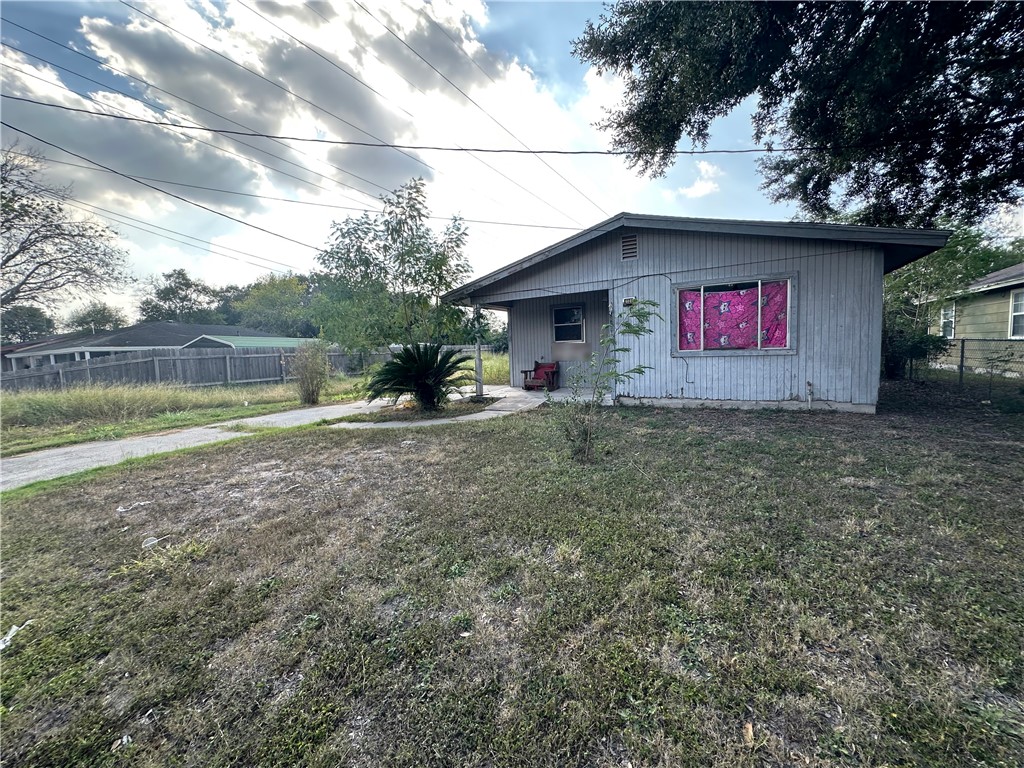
(991, 307)
(755, 313)
(88, 346)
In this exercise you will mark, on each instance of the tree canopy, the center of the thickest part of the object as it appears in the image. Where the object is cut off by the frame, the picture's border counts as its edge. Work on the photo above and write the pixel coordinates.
(47, 253)
(95, 317)
(24, 323)
(176, 296)
(386, 273)
(902, 111)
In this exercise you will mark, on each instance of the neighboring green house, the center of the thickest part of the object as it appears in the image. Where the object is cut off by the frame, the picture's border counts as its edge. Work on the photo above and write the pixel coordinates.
(990, 308)
(985, 325)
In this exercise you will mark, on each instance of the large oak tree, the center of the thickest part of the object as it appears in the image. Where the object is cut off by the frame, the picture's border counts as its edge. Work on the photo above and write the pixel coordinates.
(901, 111)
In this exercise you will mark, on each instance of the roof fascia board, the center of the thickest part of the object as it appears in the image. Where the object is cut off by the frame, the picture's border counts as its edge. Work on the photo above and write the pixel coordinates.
(37, 352)
(927, 240)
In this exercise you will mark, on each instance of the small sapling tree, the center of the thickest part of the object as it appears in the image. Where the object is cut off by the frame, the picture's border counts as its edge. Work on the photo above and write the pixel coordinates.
(311, 369)
(589, 384)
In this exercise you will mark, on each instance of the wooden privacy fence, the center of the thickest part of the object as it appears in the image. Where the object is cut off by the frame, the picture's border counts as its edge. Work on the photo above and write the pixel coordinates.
(184, 367)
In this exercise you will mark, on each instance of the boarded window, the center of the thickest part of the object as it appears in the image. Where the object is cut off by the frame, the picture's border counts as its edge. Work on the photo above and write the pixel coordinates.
(568, 322)
(752, 315)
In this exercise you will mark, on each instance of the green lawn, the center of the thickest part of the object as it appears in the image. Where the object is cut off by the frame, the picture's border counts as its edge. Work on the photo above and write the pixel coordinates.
(716, 589)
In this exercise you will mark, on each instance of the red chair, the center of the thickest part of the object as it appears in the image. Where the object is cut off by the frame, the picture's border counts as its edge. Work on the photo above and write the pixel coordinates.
(541, 376)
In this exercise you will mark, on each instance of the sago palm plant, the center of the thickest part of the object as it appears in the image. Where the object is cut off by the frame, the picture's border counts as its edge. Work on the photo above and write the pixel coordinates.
(425, 372)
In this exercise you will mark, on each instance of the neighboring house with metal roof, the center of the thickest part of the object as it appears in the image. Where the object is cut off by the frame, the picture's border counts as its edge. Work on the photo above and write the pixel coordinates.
(781, 314)
(991, 307)
(219, 341)
(88, 346)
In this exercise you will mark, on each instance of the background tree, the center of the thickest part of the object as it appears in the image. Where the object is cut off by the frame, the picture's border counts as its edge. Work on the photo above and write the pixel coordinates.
(24, 323)
(46, 253)
(279, 305)
(176, 296)
(903, 111)
(394, 269)
(95, 317)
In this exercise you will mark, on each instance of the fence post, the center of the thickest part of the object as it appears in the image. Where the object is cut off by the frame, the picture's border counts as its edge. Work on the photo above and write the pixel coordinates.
(60, 375)
(961, 366)
(227, 369)
(156, 369)
(283, 368)
(88, 371)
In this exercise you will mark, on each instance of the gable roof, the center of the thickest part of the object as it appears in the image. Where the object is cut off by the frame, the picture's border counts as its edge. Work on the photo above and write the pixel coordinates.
(141, 336)
(900, 246)
(1001, 278)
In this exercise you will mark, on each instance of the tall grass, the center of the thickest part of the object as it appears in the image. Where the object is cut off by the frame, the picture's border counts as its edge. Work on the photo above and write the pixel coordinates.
(118, 403)
(495, 368)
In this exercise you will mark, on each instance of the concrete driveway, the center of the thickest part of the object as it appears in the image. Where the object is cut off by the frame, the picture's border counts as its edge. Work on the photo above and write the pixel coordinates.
(17, 471)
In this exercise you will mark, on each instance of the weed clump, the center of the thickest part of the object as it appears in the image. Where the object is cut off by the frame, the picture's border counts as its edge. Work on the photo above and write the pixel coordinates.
(311, 369)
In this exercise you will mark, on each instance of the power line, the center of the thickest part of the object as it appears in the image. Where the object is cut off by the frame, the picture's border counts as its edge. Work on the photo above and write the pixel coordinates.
(276, 85)
(305, 202)
(163, 191)
(472, 154)
(436, 148)
(176, 127)
(475, 104)
(116, 217)
(226, 119)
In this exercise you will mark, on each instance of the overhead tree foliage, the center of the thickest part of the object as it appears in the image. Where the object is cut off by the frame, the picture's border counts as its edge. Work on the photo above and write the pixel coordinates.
(96, 317)
(902, 111)
(391, 269)
(178, 297)
(24, 323)
(48, 253)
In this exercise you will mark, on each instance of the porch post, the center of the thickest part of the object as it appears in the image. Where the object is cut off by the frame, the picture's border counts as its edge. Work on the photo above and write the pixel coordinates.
(479, 353)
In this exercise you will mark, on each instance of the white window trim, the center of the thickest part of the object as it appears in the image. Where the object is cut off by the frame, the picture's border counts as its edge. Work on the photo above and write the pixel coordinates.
(788, 349)
(582, 324)
(951, 308)
(1009, 330)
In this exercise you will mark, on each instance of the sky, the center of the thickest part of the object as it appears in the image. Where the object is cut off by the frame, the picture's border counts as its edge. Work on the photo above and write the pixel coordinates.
(459, 74)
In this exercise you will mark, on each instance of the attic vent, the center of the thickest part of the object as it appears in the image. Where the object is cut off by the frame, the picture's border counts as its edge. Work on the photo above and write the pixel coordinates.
(629, 247)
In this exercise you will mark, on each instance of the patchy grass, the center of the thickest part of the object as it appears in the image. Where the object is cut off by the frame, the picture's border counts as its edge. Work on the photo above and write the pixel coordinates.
(48, 419)
(409, 411)
(717, 589)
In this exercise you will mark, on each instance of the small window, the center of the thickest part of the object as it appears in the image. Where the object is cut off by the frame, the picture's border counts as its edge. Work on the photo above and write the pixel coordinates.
(568, 323)
(748, 315)
(947, 321)
(1017, 314)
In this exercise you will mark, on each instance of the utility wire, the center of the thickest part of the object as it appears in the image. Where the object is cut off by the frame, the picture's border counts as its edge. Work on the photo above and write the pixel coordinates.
(436, 148)
(475, 104)
(276, 85)
(155, 87)
(176, 127)
(304, 202)
(162, 191)
(116, 217)
(471, 153)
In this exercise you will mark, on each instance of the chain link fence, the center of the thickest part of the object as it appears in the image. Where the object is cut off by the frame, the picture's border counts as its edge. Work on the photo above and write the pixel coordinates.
(979, 366)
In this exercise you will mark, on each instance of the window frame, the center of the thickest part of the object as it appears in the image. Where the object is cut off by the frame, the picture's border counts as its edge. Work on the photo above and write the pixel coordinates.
(1009, 330)
(582, 324)
(951, 309)
(791, 278)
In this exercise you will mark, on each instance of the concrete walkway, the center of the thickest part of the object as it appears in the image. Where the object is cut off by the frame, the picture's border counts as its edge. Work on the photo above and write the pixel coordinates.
(17, 471)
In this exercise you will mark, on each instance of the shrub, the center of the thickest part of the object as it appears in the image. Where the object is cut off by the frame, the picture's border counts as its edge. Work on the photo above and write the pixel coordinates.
(425, 372)
(311, 368)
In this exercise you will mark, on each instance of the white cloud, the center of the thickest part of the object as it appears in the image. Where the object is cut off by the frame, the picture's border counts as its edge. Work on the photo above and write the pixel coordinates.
(703, 186)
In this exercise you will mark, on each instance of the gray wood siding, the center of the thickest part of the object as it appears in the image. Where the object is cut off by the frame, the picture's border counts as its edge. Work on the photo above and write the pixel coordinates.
(835, 323)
